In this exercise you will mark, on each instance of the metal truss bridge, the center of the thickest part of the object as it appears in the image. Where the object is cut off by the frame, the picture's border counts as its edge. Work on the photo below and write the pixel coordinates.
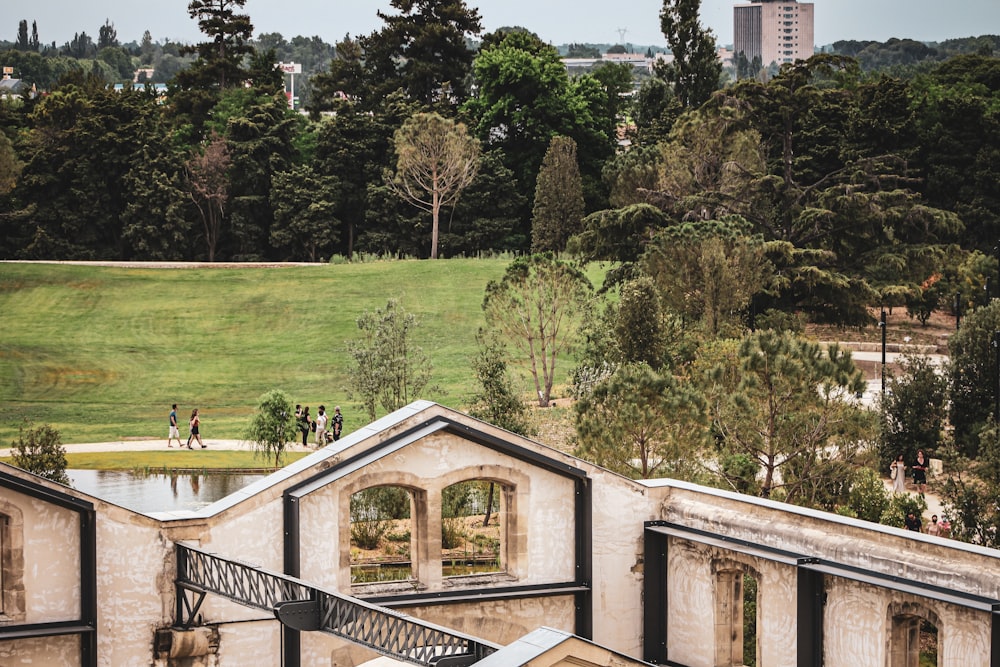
(304, 607)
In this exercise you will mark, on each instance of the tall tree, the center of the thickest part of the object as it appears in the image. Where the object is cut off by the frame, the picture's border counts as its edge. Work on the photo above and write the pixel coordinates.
(973, 351)
(785, 403)
(388, 369)
(22, 43)
(496, 401)
(435, 160)
(539, 306)
(423, 50)
(107, 36)
(220, 59)
(305, 204)
(208, 183)
(695, 69)
(559, 207)
(641, 424)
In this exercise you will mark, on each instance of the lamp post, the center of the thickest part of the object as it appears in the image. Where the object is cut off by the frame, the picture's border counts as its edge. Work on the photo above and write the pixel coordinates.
(958, 309)
(995, 344)
(881, 324)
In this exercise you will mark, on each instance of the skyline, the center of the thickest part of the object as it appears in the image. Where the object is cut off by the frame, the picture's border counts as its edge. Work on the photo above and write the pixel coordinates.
(561, 21)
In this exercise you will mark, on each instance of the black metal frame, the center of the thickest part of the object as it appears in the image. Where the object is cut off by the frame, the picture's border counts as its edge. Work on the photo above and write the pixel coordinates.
(810, 572)
(85, 627)
(581, 588)
(304, 608)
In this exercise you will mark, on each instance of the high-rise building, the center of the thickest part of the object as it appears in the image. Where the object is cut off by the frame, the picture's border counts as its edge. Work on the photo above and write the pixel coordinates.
(775, 31)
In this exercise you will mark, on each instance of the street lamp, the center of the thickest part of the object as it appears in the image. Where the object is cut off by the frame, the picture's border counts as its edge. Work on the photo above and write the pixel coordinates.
(995, 344)
(881, 324)
(958, 309)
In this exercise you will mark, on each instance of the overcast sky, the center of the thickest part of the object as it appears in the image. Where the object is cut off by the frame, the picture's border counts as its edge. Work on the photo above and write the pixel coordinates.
(555, 21)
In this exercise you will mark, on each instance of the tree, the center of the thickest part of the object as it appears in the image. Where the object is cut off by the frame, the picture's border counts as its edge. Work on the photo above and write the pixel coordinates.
(22, 42)
(387, 369)
(208, 182)
(40, 451)
(641, 424)
(559, 207)
(539, 306)
(695, 69)
(708, 271)
(435, 160)
(220, 59)
(785, 403)
(639, 326)
(272, 425)
(107, 36)
(914, 408)
(973, 383)
(423, 50)
(971, 488)
(496, 402)
(304, 212)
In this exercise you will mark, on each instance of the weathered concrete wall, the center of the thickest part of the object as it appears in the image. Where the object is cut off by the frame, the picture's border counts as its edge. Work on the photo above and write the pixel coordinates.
(51, 562)
(136, 564)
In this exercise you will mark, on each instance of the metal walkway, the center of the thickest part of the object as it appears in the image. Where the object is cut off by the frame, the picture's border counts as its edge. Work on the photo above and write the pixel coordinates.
(307, 608)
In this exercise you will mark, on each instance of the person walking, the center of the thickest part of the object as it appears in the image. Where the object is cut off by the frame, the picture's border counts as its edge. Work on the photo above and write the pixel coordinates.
(195, 425)
(920, 472)
(897, 471)
(321, 420)
(175, 432)
(338, 423)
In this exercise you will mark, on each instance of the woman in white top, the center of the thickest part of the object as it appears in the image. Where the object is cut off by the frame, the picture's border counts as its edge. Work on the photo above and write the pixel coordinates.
(321, 420)
(897, 470)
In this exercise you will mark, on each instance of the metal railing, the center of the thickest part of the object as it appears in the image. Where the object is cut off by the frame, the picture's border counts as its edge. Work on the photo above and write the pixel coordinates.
(306, 607)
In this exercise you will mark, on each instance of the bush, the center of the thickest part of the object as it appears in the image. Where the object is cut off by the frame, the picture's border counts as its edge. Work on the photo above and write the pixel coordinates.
(868, 497)
(900, 504)
(40, 451)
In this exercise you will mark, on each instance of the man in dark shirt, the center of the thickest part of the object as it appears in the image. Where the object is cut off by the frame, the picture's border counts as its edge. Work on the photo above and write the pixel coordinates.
(913, 522)
(337, 423)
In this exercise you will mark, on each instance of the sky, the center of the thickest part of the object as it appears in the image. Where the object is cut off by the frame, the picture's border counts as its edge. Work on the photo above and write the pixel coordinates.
(555, 21)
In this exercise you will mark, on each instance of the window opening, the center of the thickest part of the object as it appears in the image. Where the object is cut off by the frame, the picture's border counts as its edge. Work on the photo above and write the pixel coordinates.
(473, 528)
(381, 535)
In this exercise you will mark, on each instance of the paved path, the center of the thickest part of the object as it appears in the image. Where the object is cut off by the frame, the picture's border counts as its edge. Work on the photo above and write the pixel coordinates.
(154, 444)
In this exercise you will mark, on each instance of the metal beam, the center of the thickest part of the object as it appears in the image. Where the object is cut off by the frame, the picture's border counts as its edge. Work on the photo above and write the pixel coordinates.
(384, 631)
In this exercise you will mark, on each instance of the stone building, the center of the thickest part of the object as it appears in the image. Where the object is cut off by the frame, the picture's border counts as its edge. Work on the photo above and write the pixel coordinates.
(591, 569)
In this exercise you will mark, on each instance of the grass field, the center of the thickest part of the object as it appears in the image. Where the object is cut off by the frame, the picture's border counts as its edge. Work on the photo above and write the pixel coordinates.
(100, 352)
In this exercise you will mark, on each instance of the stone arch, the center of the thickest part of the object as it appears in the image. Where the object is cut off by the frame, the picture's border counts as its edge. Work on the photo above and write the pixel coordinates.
(730, 592)
(906, 620)
(12, 596)
(515, 487)
(413, 486)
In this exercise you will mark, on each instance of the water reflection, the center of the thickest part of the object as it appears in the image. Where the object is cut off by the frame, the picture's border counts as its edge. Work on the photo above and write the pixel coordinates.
(158, 492)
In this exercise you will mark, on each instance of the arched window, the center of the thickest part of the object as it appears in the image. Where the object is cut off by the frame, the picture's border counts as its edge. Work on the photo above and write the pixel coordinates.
(913, 640)
(11, 563)
(736, 616)
(381, 535)
(474, 528)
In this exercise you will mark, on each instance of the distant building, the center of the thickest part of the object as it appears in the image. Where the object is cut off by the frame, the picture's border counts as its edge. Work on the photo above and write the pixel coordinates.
(773, 31)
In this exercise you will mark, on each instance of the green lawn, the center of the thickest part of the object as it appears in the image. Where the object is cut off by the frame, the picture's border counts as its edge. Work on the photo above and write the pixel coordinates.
(100, 353)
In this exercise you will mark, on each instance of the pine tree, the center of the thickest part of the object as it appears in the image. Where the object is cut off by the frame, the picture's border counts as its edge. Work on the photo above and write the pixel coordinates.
(695, 69)
(559, 208)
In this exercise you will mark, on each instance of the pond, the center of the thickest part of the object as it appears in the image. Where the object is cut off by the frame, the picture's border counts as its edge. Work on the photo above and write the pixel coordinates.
(159, 492)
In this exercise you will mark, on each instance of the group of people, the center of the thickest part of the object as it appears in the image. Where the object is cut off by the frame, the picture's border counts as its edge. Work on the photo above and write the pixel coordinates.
(194, 429)
(326, 427)
(897, 471)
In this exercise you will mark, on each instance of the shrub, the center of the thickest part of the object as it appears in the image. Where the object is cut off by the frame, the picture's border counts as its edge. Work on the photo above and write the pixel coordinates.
(40, 451)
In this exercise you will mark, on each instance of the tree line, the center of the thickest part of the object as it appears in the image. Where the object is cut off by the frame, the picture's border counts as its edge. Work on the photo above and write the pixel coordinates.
(731, 213)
